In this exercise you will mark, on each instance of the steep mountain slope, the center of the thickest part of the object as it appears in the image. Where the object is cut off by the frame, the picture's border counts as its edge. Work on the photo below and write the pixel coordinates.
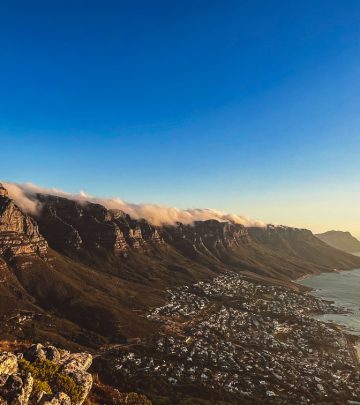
(279, 252)
(19, 234)
(89, 229)
(341, 240)
(103, 268)
(66, 223)
(301, 244)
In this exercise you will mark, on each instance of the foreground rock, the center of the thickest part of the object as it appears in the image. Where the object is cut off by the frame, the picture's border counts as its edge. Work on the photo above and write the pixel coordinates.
(59, 399)
(44, 375)
(8, 364)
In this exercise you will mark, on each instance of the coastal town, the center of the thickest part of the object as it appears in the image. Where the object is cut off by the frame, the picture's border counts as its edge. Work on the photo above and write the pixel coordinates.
(244, 342)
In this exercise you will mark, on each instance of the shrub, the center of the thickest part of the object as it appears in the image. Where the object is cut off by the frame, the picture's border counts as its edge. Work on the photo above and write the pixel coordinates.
(41, 386)
(48, 377)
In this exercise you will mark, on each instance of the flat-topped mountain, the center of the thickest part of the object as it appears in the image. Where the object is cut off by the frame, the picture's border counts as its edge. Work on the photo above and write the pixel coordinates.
(96, 270)
(341, 240)
(68, 224)
(71, 226)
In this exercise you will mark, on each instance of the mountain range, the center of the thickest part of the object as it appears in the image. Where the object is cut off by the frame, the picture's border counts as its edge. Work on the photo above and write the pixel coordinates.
(341, 240)
(85, 274)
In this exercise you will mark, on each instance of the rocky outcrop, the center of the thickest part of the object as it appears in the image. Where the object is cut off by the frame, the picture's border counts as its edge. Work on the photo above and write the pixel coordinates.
(8, 366)
(3, 192)
(210, 237)
(52, 370)
(58, 399)
(69, 224)
(73, 362)
(21, 389)
(19, 233)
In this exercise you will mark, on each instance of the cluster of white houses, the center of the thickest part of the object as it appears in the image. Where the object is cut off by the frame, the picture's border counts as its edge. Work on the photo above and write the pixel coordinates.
(249, 339)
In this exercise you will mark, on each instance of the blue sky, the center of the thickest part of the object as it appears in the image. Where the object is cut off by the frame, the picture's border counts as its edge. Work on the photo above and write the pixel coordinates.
(251, 107)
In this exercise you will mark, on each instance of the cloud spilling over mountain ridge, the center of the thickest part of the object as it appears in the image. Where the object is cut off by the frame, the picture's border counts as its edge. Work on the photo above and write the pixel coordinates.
(25, 196)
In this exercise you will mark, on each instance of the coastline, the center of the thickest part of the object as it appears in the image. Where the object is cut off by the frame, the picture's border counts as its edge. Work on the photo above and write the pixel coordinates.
(352, 340)
(354, 345)
(357, 350)
(309, 275)
(304, 277)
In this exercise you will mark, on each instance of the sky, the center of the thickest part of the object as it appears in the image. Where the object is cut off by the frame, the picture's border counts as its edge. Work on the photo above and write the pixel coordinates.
(248, 107)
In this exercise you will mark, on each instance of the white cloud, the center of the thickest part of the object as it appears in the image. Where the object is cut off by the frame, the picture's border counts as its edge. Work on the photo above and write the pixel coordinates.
(24, 196)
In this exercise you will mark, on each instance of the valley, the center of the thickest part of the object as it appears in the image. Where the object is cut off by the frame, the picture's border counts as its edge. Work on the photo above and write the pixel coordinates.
(170, 311)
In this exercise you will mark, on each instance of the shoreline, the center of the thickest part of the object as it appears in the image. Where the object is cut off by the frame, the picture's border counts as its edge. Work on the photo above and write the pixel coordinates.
(357, 350)
(354, 345)
(308, 275)
(352, 340)
(301, 278)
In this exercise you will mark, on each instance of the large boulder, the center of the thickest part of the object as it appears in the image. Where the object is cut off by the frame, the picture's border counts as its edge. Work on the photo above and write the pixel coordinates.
(59, 399)
(75, 365)
(38, 352)
(84, 381)
(16, 383)
(8, 364)
(52, 354)
(22, 396)
(77, 362)
(35, 353)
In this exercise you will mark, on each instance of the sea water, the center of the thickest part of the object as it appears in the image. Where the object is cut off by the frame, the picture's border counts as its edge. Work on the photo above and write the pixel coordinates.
(343, 288)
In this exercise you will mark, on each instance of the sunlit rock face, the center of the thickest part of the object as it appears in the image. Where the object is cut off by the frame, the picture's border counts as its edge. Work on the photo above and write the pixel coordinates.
(210, 236)
(3, 191)
(19, 233)
(69, 224)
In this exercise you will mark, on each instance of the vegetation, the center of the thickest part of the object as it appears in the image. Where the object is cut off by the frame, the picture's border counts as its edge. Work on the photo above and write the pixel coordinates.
(48, 378)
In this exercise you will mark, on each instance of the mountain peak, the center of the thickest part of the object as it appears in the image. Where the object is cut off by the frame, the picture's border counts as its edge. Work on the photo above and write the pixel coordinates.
(19, 233)
(3, 191)
(342, 240)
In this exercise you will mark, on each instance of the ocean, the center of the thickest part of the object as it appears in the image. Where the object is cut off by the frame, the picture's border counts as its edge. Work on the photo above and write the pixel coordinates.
(344, 289)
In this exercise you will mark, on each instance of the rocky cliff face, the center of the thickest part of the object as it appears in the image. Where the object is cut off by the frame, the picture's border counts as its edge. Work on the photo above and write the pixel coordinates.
(44, 375)
(208, 237)
(19, 233)
(68, 224)
(279, 237)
